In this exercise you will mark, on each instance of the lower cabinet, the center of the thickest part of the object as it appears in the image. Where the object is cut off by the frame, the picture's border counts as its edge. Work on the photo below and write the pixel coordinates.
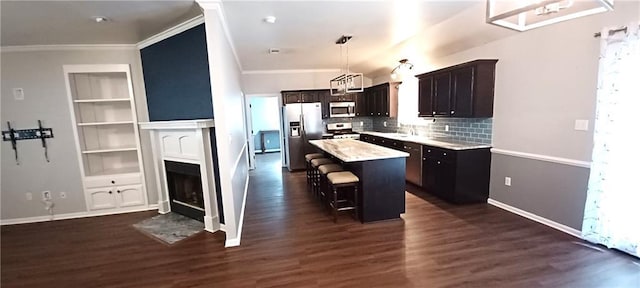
(114, 192)
(115, 197)
(458, 176)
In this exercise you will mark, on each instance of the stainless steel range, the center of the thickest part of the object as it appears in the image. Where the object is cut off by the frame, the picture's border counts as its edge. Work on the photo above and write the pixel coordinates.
(342, 131)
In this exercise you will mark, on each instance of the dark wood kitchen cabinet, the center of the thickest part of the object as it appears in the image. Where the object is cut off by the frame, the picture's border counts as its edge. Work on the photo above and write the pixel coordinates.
(361, 104)
(457, 176)
(308, 96)
(380, 100)
(465, 90)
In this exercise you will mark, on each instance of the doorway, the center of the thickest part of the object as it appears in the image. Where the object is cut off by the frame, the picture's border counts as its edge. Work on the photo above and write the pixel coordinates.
(265, 137)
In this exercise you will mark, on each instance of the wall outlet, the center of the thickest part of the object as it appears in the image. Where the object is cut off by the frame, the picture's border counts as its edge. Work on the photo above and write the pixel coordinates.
(29, 196)
(507, 181)
(63, 195)
(268, 141)
(361, 123)
(46, 195)
(18, 94)
(581, 125)
(446, 127)
(384, 123)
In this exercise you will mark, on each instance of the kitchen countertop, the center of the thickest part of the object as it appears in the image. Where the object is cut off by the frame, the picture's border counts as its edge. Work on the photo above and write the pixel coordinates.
(349, 150)
(447, 144)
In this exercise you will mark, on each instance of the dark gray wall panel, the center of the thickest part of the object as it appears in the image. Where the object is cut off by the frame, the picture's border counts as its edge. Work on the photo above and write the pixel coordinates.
(550, 190)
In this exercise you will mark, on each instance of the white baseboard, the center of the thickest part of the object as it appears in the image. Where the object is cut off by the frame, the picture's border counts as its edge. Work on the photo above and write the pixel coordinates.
(73, 215)
(555, 225)
(236, 241)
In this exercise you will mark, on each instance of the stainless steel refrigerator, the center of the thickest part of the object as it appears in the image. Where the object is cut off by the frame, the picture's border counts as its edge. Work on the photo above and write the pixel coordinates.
(303, 122)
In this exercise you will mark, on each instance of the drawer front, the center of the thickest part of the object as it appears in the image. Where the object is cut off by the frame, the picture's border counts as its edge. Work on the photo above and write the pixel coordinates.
(438, 153)
(104, 181)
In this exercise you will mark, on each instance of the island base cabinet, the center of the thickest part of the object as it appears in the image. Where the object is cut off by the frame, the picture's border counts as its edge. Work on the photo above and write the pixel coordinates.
(381, 191)
(457, 176)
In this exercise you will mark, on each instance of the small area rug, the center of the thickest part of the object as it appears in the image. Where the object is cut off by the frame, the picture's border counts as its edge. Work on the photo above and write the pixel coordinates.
(169, 228)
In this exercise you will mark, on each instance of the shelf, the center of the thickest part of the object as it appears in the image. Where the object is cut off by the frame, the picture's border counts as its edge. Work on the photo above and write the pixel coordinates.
(102, 100)
(110, 150)
(125, 170)
(105, 123)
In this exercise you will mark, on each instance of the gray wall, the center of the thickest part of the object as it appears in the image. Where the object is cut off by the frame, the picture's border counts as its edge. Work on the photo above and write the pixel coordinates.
(545, 80)
(40, 75)
(555, 191)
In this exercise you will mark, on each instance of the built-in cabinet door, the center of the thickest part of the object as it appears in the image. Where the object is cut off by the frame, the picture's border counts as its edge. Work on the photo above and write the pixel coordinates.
(101, 198)
(462, 97)
(361, 105)
(325, 98)
(383, 101)
(291, 97)
(442, 93)
(425, 97)
(429, 165)
(130, 195)
(309, 96)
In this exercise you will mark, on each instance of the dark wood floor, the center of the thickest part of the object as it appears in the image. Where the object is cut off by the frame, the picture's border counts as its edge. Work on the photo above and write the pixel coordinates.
(289, 240)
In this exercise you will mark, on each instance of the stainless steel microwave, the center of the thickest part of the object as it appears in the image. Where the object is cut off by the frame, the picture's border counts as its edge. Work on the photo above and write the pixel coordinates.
(342, 109)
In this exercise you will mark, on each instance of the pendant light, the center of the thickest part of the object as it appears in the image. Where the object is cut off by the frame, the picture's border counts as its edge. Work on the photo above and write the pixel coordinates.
(402, 68)
(346, 82)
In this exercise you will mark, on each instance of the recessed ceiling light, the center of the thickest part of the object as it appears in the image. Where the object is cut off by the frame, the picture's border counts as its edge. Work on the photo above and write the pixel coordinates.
(100, 19)
(274, 50)
(270, 19)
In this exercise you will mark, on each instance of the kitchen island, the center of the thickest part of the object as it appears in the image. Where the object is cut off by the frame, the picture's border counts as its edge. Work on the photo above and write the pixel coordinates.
(381, 172)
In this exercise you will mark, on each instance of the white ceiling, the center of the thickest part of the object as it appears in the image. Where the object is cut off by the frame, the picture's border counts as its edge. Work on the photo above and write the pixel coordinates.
(71, 22)
(305, 31)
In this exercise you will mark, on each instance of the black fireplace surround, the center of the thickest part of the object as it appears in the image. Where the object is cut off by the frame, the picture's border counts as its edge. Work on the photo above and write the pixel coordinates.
(185, 189)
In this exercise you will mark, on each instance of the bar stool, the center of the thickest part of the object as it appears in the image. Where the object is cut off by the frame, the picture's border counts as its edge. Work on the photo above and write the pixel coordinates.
(315, 175)
(343, 179)
(308, 158)
(324, 170)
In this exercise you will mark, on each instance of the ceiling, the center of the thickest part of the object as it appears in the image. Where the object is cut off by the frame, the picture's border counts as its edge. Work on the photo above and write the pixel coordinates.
(305, 31)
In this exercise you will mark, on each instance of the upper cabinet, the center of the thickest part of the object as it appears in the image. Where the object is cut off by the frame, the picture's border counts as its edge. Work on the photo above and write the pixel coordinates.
(464, 90)
(380, 100)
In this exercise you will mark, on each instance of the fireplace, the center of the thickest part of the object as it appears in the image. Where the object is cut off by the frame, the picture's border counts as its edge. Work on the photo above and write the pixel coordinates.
(184, 184)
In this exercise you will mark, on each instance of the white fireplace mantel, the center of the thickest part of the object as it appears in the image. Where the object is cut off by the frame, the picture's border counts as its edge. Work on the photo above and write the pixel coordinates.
(186, 141)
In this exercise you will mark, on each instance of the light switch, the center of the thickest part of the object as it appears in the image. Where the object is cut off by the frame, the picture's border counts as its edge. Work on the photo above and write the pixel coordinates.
(18, 93)
(582, 125)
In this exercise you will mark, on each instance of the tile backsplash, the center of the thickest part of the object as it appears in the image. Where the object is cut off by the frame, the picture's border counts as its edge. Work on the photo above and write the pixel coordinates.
(358, 123)
(475, 130)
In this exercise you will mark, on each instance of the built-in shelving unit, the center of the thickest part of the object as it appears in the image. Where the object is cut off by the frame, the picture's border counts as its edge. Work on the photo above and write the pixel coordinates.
(103, 109)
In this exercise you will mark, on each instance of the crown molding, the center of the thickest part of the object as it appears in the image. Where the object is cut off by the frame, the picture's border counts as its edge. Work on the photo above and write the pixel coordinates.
(216, 5)
(289, 71)
(184, 26)
(67, 47)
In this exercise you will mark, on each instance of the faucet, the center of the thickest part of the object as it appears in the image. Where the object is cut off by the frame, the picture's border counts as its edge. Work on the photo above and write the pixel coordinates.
(412, 131)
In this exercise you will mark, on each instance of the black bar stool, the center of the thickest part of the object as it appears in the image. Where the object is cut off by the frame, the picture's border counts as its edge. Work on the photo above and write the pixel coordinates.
(308, 158)
(324, 170)
(315, 175)
(343, 179)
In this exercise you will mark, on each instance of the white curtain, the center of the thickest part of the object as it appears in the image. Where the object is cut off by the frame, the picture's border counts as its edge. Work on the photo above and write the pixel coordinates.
(612, 211)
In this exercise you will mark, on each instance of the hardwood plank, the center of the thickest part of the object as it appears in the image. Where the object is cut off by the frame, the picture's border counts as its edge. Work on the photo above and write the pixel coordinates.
(289, 240)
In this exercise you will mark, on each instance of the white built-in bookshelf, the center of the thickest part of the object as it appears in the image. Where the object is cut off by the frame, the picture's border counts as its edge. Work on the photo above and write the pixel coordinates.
(103, 110)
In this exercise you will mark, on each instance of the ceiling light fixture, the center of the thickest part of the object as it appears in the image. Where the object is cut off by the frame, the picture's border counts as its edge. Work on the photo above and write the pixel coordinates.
(529, 14)
(403, 67)
(269, 19)
(100, 19)
(346, 82)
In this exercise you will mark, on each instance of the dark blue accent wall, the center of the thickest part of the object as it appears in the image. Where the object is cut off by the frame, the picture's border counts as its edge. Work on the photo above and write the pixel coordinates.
(176, 77)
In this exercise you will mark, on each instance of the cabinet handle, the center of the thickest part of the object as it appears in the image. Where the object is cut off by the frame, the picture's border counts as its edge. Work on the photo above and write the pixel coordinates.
(118, 191)
(438, 162)
(433, 113)
(444, 154)
(452, 112)
(110, 192)
(378, 113)
(428, 151)
(424, 158)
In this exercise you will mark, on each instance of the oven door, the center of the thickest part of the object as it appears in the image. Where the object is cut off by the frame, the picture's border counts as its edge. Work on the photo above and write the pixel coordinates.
(342, 109)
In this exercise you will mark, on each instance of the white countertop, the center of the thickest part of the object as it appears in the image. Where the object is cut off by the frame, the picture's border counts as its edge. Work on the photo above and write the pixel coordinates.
(447, 144)
(349, 150)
